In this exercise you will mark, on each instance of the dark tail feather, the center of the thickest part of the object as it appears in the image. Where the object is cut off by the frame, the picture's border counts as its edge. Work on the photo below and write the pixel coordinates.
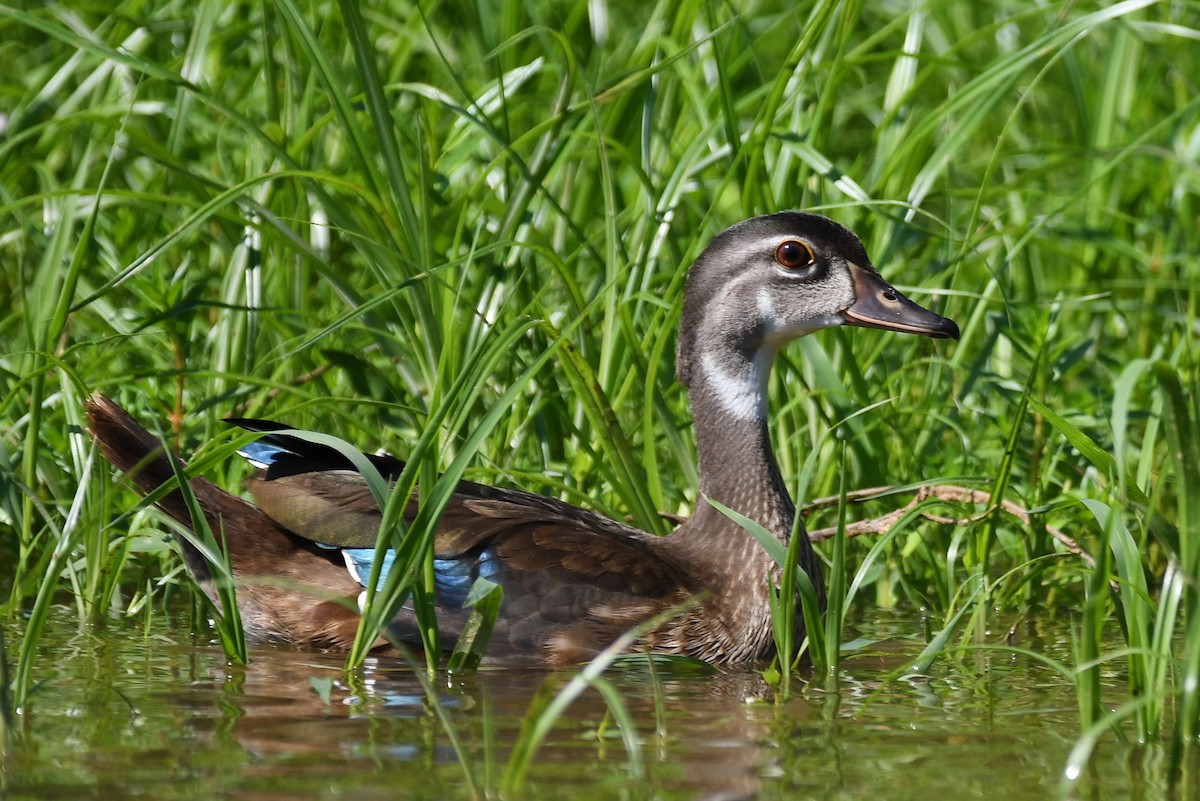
(258, 546)
(141, 456)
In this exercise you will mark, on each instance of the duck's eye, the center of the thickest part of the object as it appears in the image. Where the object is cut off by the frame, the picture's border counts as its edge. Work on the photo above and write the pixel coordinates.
(794, 255)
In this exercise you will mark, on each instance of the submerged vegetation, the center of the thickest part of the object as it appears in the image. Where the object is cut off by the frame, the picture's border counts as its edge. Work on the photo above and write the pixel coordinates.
(460, 234)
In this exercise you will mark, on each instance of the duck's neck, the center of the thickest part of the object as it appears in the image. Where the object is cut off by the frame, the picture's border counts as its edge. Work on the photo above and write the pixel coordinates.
(737, 465)
(728, 392)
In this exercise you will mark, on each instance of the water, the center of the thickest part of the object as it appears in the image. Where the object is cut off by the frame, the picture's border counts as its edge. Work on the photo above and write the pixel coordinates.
(123, 715)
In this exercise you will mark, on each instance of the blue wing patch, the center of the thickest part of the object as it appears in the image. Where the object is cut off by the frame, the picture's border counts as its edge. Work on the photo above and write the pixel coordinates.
(261, 453)
(452, 578)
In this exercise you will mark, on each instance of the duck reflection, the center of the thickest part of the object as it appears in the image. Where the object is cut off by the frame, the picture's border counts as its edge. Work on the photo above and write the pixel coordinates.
(697, 736)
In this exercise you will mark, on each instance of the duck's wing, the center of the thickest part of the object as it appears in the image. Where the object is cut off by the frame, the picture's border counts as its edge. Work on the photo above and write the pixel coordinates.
(572, 580)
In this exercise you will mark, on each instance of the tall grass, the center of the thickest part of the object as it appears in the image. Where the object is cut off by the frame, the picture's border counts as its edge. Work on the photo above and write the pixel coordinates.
(460, 233)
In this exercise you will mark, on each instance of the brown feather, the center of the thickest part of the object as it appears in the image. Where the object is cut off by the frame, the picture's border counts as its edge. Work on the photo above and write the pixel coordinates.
(288, 609)
(566, 571)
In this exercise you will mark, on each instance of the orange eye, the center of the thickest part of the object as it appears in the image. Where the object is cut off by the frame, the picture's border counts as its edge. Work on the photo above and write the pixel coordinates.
(794, 255)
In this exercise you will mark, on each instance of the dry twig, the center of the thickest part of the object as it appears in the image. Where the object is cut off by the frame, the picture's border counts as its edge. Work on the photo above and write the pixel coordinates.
(942, 492)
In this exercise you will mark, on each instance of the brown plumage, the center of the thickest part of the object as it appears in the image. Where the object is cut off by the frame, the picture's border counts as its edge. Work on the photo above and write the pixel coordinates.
(311, 611)
(573, 580)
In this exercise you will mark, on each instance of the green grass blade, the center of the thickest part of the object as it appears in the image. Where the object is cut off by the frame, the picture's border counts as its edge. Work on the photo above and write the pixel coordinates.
(540, 718)
(484, 599)
(924, 660)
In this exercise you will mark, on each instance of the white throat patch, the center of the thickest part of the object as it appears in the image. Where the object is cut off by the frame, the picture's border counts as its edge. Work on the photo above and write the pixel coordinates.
(742, 395)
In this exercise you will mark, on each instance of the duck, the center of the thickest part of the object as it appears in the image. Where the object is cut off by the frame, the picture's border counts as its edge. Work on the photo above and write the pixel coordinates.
(573, 580)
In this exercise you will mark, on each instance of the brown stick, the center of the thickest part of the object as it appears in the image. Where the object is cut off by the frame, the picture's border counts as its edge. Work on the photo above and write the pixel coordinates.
(944, 492)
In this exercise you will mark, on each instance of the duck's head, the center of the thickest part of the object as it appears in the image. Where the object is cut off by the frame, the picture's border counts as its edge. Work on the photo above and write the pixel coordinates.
(772, 279)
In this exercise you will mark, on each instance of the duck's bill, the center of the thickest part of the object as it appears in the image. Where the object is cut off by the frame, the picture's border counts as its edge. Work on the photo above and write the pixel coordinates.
(878, 304)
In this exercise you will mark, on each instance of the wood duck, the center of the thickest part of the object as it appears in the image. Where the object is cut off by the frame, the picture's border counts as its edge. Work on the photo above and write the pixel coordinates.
(572, 580)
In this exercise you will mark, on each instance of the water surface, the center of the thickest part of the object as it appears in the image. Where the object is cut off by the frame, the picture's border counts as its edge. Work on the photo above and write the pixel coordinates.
(126, 714)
